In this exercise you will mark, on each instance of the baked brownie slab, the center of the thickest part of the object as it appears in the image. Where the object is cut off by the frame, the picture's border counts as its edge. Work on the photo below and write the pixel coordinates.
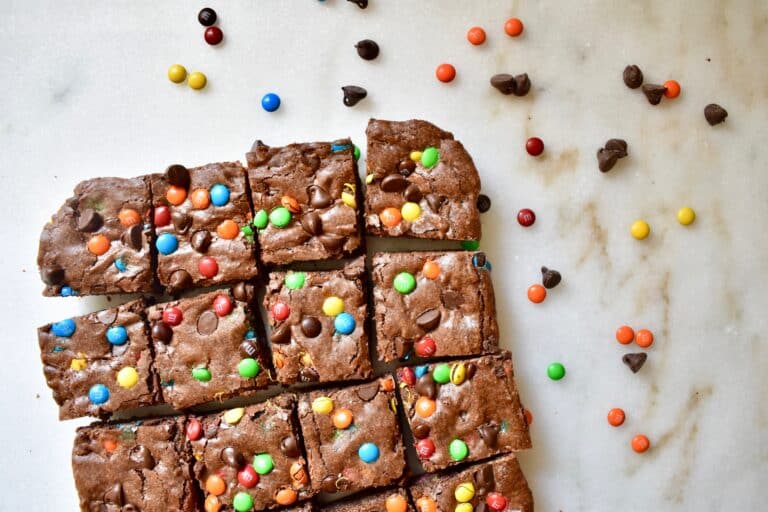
(495, 485)
(137, 466)
(352, 436)
(421, 183)
(99, 363)
(394, 500)
(202, 221)
(319, 327)
(463, 411)
(99, 240)
(433, 304)
(250, 457)
(305, 199)
(208, 347)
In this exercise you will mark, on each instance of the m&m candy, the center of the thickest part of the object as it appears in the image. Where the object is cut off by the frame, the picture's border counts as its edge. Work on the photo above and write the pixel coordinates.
(445, 73)
(280, 217)
(166, 244)
(222, 305)
(194, 430)
(686, 216)
(513, 27)
(127, 377)
(173, 316)
(247, 477)
(396, 503)
(333, 306)
(476, 35)
(263, 463)
(344, 323)
(270, 102)
(64, 328)
(425, 347)
(322, 405)
(458, 449)
(537, 293)
(201, 374)
(464, 492)
(496, 501)
(556, 371)
(534, 146)
(404, 283)
(208, 267)
(640, 229)
(177, 73)
(117, 335)
(98, 394)
(441, 373)
(197, 80)
(213, 35)
(243, 502)
(342, 419)
(430, 157)
(368, 453)
(219, 194)
(616, 417)
(640, 443)
(233, 416)
(248, 368)
(280, 311)
(295, 280)
(425, 448)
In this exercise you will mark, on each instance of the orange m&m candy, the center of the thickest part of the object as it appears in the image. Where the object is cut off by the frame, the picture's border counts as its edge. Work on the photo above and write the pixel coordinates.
(342, 419)
(476, 35)
(425, 504)
(212, 504)
(215, 485)
(528, 416)
(431, 269)
(200, 198)
(673, 89)
(396, 503)
(128, 217)
(625, 334)
(110, 445)
(228, 230)
(616, 416)
(537, 293)
(286, 496)
(445, 73)
(98, 244)
(640, 443)
(644, 338)
(176, 195)
(513, 27)
(425, 407)
(390, 217)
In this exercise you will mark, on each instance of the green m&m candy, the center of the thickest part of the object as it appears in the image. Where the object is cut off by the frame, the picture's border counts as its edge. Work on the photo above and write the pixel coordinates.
(263, 463)
(430, 157)
(404, 282)
(556, 371)
(458, 449)
(248, 368)
(295, 280)
(470, 245)
(201, 374)
(242, 502)
(280, 217)
(357, 153)
(442, 373)
(260, 219)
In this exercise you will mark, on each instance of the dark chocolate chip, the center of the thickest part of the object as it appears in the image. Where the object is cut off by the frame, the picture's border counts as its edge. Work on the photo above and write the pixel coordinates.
(133, 237)
(232, 458)
(181, 221)
(394, 183)
(412, 193)
(177, 175)
(471, 369)
(141, 456)
(180, 280)
(201, 240)
(249, 348)
(308, 374)
(403, 348)
(281, 335)
(108, 316)
(360, 3)
(550, 278)
(319, 197)
(429, 319)
(328, 484)
(312, 223)
(52, 275)
(420, 430)
(633, 77)
(332, 243)
(715, 114)
(367, 49)
(311, 326)
(353, 94)
(654, 93)
(89, 221)
(244, 292)
(207, 323)
(452, 299)
(606, 159)
(426, 386)
(489, 434)
(114, 495)
(484, 478)
(483, 203)
(635, 361)
(289, 447)
(406, 167)
(435, 202)
(368, 392)
(522, 84)
(161, 331)
(619, 145)
(504, 82)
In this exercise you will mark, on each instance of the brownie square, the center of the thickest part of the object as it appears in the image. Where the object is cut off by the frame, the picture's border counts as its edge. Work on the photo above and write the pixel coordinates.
(390, 500)
(140, 466)
(344, 455)
(99, 240)
(99, 363)
(450, 312)
(305, 197)
(202, 225)
(253, 452)
(440, 196)
(463, 411)
(208, 347)
(499, 482)
(313, 342)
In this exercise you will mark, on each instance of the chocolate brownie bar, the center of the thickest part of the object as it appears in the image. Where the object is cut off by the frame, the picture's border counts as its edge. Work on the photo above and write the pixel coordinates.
(433, 304)
(319, 324)
(208, 347)
(250, 456)
(421, 183)
(305, 197)
(463, 411)
(352, 436)
(137, 466)
(99, 363)
(202, 224)
(495, 485)
(393, 500)
(99, 240)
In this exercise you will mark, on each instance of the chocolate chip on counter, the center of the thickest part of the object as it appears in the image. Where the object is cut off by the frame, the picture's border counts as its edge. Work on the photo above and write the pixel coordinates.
(394, 183)
(312, 223)
(207, 322)
(606, 159)
(308, 375)
(633, 77)
(52, 275)
(412, 193)
(367, 49)
(368, 392)
(489, 433)
(232, 458)
(180, 280)
(177, 175)
(522, 84)
(635, 361)
(353, 94)
(426, 386)
(133, 237)
(715, 114)
(311, 326)
(619, 145)
(360, 3)
(201, 240)
(654, 93)
(89, 221)
(428, 320)
(289, 447)
(319, 197)
(249, 348)
(244, 292)
(161, 331)
(550, 278)
(505, 83)
(281, 335)
(420, 430)
(483, 203)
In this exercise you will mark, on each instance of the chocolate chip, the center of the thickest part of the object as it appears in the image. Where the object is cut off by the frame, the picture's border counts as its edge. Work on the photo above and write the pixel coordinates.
(312, 223)
(714, 114)
(141, 456)
(394, 183)
(403, 348)
(481, 507)
(420, 430)
(429, 319)
(52, 274)
(619, 145)
(426, 386)
(319, 197)
(232, 458)
(606, 159)
(635, 361)
(550, 278)
(161, 331)
(332, 243)
(201, 240)
(281, 335)
(289, 447)
(654, 93)
(244, 292)
(504, 82)
(353, 94)
(311, 326)
(207, 323)
(490, 434)
(114, 495)
(484, 478)
(412, 193)
(367, 49)
(107, 317)
(360, 3)
(471, 369)
(89, 221)
(483, 203)
(307, 374)
(177, 175)
(435, 202)
(452, 299)
(406, 167)
(522, 84)
(249, 348)
(181, 221)
(133, 237)
(129, 507)
(368, 392)
(328, 484)
(633, 77)
(180, 280)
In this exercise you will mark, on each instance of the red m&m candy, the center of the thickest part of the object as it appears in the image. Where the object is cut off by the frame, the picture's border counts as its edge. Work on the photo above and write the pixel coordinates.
(526, 217)
(534, 146)
(162, 216)
(248, 477)
(425, 347)
(213, 35)
(406, 375)
(172, 316)
(425, 448)
(208, 267)
(222, 305)
(280, 311)
(194, 430)
(496, 501)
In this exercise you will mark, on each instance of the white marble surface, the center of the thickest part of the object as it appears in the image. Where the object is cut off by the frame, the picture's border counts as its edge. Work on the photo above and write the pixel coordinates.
(85, 94)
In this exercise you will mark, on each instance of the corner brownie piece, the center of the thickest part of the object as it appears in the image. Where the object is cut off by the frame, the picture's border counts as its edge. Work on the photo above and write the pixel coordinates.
(319, 324)
(434, 196)
(137, 466)
(352, 436)
(99, 240)
(202, 217)
(208, 347)
(495, 485)
(99, 363)
(463, 411)
(305, 197)
(250, 456)
(393, 500)
(444, 306)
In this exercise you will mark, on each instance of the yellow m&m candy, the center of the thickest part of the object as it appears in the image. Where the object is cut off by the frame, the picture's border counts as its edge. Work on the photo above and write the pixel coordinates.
(686, 216)
(410, 211)
(322, 405)
(127, 377)
(177, 73)
(640, 229)
(197, 80)
(333, 306)
(464, 492)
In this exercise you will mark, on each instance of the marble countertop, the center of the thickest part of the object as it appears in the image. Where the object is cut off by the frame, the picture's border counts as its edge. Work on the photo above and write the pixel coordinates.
(85, 94)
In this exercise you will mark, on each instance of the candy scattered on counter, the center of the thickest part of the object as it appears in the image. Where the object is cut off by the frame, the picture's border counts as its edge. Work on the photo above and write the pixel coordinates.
(506, 84)
(513, 27)
(686, 216)
(270, 102)
(483, 203)
(610, 153)
(672, 89)
(537, 293)
(526, 217)
(207, 17)
(197, 80)
(556, 371)
(367, 49)
(616, 417)
(640, 443)
(640, 229)
(476, 36)
(633, 77)
(715, 114)
(534, 146)
(353, 94)
(654, 93)
(445, 73)
(625, 335)
(550, 278)
(213, 35)
(635, 361)
(177, 73)
(644, 338)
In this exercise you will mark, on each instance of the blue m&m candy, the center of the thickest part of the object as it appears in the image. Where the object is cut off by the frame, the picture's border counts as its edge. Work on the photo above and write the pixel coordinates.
(65, 328)
(421, 370)
(344, 323)
(98, 394)
(67, 291)
(368, 453)
(167, 244)
(117, 335)
(219, 194)
(120, 265)
(270, 102)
